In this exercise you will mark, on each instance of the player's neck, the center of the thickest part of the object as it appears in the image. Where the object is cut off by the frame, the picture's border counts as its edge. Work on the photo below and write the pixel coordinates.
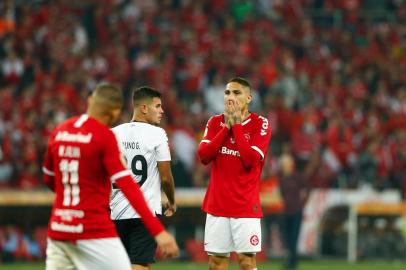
(99, 117)
(245, 114)
(140, 119)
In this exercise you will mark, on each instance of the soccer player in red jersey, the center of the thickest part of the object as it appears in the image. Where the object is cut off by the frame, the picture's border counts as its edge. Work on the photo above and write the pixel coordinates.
(236, 142)
(81, 163)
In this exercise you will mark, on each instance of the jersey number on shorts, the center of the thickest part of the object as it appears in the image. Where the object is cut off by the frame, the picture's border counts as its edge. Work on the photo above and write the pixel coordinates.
(70, 181)
(139, 167)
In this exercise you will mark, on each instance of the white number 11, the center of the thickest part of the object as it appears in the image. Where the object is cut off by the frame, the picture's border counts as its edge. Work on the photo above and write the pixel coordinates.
(70, 180)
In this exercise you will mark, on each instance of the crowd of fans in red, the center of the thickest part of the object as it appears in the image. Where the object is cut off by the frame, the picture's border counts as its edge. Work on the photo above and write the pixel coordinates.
(329, 80)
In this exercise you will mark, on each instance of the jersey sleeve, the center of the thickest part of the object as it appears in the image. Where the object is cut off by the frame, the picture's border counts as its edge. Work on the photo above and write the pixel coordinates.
(254, 150)
(48, 166)
(260, 140)
(211, 142)
(112, 158)
(209, 131)
(162, 149)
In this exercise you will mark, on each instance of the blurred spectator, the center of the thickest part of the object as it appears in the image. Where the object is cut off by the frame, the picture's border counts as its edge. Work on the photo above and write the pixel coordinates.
(368, 165)
(269, 188)
(180, 173)
(6, 170)
(214, 95)
(319, 174)
(12, 68)
(7, 21)
(295, 191)
(184, 143)
(18, 245)
(12, 244)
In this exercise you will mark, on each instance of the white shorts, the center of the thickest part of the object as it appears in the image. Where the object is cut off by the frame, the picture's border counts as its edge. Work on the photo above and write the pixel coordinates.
(104, 254)
(223, 235)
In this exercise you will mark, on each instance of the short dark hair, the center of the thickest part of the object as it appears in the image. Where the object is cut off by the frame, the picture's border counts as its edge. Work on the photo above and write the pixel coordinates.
(144, 92)
(241, 81)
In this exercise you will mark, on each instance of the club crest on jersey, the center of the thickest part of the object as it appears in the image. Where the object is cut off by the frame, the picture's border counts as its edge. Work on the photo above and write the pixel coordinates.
(254, 240)
(246, 135)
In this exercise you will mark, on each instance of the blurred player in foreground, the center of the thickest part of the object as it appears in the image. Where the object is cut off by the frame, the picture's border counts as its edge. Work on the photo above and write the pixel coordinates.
(81, 163)
(236, 142)
(146, 150)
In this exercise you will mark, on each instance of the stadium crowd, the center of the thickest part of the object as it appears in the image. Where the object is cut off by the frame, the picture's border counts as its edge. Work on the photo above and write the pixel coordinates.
(333, 91)
(328, 74)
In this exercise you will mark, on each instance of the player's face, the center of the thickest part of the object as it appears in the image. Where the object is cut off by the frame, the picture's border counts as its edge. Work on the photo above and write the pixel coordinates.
(237, 93)
(154, 111)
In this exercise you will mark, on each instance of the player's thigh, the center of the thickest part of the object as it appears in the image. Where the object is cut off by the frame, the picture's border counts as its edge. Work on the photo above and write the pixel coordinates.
(246, 234)
(101, 254)
(217, 236)
(57, 256)
(141, 245)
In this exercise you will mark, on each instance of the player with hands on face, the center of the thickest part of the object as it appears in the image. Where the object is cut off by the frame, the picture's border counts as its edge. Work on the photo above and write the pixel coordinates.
(236, 142)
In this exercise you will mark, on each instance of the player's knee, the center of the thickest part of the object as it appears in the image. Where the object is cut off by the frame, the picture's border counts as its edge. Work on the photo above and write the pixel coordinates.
(218, 263)
(247, 262)
(247, 265)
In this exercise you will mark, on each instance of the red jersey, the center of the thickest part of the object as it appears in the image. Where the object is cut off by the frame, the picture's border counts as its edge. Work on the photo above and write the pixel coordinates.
(238, 158)
(82, 160)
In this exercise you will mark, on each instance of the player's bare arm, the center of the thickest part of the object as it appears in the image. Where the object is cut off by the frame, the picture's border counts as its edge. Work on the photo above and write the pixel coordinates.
(168, 186)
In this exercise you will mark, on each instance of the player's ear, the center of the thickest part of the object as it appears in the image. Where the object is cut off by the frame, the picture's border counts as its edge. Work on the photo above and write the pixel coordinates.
(115, 114)
(112, 116)
(249, 98)
(144, 108)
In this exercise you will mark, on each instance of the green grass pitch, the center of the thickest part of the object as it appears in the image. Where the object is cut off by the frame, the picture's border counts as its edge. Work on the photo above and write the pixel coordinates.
(305, 265)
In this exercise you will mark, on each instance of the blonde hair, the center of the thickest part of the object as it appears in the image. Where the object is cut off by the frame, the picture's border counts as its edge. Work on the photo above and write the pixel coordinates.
(107, 97)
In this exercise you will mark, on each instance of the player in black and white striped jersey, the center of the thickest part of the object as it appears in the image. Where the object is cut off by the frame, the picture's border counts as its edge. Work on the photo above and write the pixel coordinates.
(146, 151)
